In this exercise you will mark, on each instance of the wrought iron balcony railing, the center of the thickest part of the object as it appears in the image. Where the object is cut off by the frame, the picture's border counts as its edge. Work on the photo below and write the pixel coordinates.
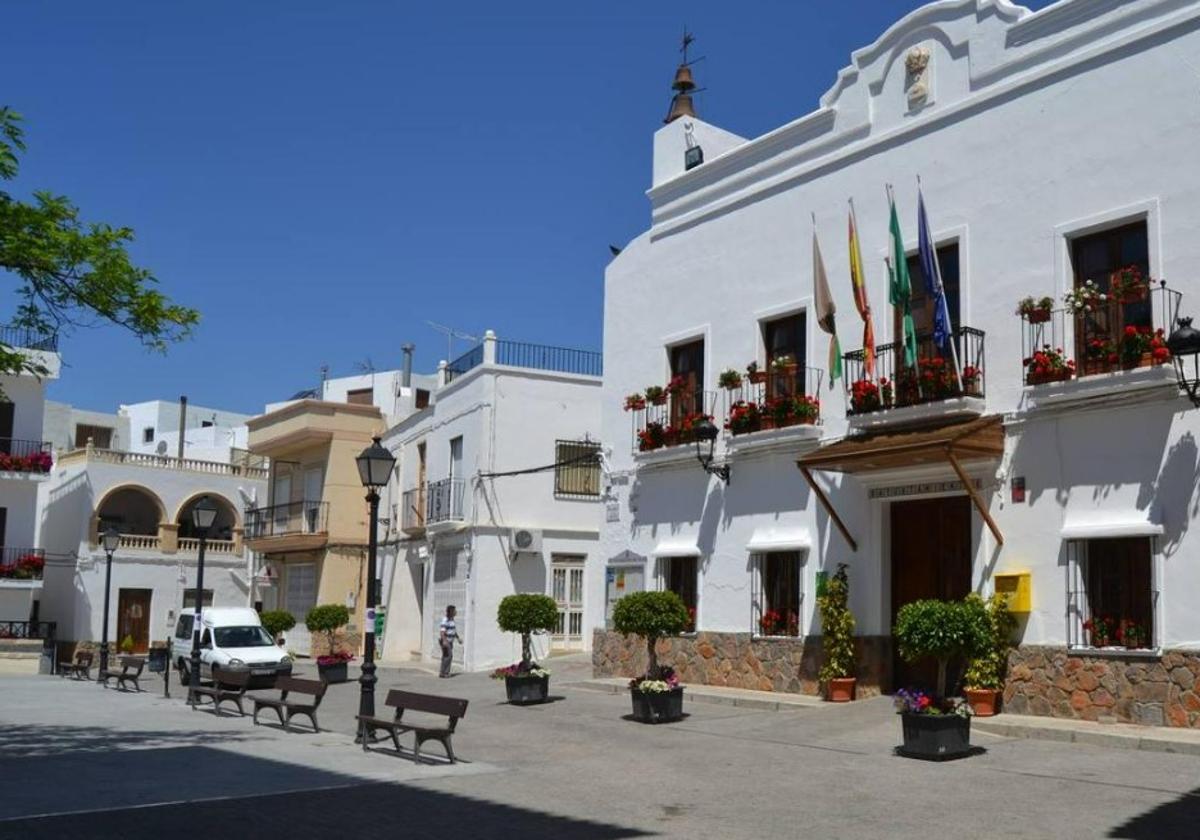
(670, 422)
(933, 378)
(444, 501)
(288, 519)
(784, 396)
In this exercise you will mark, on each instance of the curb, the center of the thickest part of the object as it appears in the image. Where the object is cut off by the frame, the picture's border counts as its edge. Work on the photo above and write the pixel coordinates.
(1153, 741)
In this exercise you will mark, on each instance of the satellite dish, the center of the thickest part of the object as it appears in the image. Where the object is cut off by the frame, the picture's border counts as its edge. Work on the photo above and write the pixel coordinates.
(161, 449)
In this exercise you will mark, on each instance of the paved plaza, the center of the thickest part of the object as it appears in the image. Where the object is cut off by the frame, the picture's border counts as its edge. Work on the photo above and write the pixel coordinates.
(85, 762)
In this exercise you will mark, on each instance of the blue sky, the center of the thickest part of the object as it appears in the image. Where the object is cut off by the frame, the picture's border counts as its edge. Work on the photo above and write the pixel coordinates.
(320, 179)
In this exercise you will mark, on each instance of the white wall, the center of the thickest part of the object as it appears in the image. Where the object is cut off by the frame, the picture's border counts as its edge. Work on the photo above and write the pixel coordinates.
(1018, 149)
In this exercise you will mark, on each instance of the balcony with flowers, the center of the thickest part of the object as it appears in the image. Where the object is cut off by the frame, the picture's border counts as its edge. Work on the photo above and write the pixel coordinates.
(933, 388)
(776, 406)
(665, 419)
(1104, 338)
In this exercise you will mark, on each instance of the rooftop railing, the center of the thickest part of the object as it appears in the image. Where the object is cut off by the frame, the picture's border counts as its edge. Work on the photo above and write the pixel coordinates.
(521, 354)
(28, 339)
(163, 462)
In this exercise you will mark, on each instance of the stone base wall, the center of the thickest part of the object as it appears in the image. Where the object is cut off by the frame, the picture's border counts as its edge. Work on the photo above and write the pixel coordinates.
(739, 661)
(1127, 689)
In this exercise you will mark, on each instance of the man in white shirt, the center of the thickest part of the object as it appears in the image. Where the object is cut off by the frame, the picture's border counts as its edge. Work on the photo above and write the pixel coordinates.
(447, 636)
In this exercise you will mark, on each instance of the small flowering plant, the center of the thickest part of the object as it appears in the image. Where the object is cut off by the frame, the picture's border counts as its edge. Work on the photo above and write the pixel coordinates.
(1035, 310)
(743, 418)
(335, 658)
(1129, 285)
(911, 701)
(635, 402)
(1048, 364)
(654, 436)
(779, 623)
(677, 385)
(783, 364)
(1131, 634)
(28, 567)
(864, 396)
(730, 379)
(1101, 630)
(665, 681)
(520, 670)
(38, 462)
(656, 395)
(970, 379)
(1085, 298)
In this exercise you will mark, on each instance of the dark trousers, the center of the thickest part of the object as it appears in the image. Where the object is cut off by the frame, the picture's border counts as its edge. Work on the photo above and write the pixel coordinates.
(447, 659)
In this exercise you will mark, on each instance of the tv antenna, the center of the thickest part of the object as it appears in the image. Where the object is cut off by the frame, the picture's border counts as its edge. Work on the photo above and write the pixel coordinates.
(451, 333)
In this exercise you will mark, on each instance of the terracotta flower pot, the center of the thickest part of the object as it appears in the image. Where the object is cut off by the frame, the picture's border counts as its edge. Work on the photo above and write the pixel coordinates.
(840, 689)
(982, 700)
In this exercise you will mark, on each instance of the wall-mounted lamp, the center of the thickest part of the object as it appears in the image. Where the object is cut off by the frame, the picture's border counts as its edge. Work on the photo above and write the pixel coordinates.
(706, 442)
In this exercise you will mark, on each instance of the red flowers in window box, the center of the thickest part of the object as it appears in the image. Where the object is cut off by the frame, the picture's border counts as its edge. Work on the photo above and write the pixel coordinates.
(1101, 630)
(29, 567)
(1048, 365)
(38, 462)
(864, 396)
(635, 402)
(779, 623)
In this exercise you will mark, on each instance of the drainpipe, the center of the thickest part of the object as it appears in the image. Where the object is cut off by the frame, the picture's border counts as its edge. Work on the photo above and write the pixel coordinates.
(406, 371)
(182, 425)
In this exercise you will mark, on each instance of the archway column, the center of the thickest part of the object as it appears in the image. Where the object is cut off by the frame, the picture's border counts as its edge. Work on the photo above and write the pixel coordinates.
(168, 537)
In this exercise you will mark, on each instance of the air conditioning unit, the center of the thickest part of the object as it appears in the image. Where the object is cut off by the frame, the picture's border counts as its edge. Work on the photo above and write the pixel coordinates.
(525, 541)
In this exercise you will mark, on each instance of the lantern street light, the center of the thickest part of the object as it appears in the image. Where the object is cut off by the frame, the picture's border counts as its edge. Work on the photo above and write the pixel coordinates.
(1184, 344)
(706, 433)
(111, 540)
(204, 514)
(375, 466)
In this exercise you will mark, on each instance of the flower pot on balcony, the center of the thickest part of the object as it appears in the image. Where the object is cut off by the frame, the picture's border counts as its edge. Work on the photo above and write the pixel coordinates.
(1037, 316)
(523, 691)
(757, 377)
(1033, 378)
(840, 689)
(657, 706)
(935, 737)
(982, 701)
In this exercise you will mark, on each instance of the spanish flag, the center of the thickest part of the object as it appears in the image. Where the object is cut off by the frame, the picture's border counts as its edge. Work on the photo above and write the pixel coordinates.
(860, 298)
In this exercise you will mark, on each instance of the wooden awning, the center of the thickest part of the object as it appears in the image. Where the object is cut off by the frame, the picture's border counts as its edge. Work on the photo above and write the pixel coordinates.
(955, 443)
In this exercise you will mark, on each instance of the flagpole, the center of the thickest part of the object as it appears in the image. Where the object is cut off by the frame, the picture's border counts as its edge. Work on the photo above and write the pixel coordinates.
(903, 342)
(937, 271)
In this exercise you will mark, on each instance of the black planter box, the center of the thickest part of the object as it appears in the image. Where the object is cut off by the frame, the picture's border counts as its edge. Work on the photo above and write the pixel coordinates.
(657, 706)
(523, 691)
(333, 673)
(936, 737)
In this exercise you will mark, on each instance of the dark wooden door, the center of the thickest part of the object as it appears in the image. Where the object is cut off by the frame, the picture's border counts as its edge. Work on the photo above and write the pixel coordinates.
(6, 427)
(687, 361)
(133, 618)
(931, 558)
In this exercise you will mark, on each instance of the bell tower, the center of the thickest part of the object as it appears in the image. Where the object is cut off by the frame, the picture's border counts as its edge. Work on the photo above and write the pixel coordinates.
(683, 85)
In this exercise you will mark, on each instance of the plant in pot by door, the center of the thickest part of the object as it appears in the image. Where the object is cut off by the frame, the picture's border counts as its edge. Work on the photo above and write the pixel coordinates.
(526, 681)
(984, 677)
(277, 622)
(657, 695)
(837, 638)
(328, 619)
(936, 727)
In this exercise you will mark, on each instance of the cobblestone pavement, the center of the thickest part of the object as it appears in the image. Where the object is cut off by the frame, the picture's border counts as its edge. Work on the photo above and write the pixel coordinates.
(84, 762)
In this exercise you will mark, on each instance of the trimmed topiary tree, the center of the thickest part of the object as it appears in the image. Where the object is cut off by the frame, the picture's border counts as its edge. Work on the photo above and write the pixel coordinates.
(277, 621)
(943, 630)
(327, 619)
(526, 614)
(837, 628)
(650, 615)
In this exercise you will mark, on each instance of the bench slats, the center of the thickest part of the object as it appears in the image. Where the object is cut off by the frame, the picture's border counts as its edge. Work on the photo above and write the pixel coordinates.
(430, 703)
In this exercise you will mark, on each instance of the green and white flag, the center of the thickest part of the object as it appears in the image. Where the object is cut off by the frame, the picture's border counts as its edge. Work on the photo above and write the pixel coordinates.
(825, 311)
(900, 287)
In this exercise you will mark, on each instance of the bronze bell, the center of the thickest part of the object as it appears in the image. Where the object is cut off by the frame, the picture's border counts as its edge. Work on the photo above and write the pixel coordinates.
(681, 106)
(683, 79)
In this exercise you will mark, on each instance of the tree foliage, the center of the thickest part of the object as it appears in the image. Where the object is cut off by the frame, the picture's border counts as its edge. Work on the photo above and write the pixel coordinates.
(72, 273)
(527, 613)
(327, 618)
(650, 615)
(277, 621)
(987, 670)
(943, 630)
(837, 628)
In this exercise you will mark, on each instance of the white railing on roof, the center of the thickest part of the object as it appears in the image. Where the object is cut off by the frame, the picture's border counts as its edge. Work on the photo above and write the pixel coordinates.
(162, 462)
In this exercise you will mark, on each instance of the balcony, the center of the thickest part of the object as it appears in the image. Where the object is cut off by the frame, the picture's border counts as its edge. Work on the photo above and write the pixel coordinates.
(26, 459)
(292, 526)
(162, 462)
(1115, 345)
(21, 564)
(412, 511)
(932, 390)
(443, 502)
(663, 424)
(191, 545)
(771, 408)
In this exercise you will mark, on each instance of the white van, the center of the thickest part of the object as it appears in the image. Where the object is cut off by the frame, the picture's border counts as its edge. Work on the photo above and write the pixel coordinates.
(232, 638)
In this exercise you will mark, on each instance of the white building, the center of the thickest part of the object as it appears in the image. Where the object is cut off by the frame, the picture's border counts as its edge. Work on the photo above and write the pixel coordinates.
(24, 465)
(1052, 148)
(148, 497)
(480, 509)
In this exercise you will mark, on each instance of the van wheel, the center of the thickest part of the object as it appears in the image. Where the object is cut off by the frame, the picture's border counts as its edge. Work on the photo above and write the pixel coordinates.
(184, 674)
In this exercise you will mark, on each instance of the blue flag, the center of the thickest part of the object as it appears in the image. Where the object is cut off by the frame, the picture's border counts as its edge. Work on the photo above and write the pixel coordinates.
(933, 276)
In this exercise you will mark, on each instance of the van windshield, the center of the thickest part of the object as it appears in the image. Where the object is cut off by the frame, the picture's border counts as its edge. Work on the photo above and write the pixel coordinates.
(238, 637)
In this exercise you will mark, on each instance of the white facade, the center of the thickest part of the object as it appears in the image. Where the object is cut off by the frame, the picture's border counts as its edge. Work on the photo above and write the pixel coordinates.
(453, 518)
(1022, 146)
(22, 435)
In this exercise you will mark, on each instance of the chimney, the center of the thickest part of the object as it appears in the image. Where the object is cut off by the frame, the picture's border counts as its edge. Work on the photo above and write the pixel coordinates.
(182, 426)
(406, 370)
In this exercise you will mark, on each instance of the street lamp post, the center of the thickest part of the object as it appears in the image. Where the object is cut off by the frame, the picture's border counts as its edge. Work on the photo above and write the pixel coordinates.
(375, 469)
(204, 514)
(110, 540)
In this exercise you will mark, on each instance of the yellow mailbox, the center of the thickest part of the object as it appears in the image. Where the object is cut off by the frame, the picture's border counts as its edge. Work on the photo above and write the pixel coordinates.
(1017, 586)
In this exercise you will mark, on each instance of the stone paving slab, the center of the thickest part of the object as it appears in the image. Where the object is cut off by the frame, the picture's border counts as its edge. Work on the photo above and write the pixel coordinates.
(744, 698)
(1125, 736)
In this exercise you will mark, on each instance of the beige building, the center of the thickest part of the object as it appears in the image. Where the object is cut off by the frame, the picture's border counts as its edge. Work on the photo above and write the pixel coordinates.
(313, 529)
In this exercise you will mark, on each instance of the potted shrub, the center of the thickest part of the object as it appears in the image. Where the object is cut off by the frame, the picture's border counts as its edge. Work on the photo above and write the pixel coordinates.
(126, 646)
(937, 727)
(730, 379)
(807, 409)
(837, 639)
(328, 619)
(655, 395)
(657, 695)
(526, 681)
(984, 677)
(277, 622)
(1035, 310)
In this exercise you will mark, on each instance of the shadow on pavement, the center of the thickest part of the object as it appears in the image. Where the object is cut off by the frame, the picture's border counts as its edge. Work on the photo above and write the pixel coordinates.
(36, 740)
(375, 809)
(1177, 818)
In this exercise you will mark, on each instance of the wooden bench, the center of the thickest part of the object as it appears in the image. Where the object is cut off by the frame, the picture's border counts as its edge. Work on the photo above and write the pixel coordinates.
(227, 685)
(403, 701)
(80, 666)
(131, 672)
(287, 708)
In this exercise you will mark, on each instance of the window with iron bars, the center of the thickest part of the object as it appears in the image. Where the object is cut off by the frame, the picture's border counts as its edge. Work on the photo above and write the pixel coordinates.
(577, 468)
(777, 593)
(1112, 597)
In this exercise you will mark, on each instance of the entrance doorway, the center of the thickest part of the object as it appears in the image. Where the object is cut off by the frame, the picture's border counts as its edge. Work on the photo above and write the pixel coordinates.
(566, 587)
(931, 558)
(133, 618)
